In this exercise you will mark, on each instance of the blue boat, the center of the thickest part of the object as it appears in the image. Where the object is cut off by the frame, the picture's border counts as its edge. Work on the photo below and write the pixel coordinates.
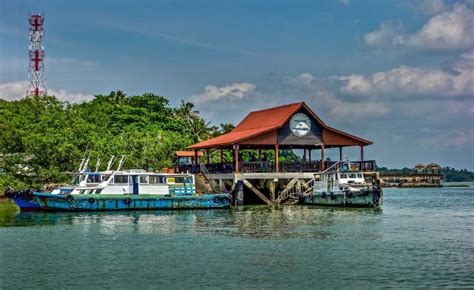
(24, 199)
(121, 190)
(103, 202)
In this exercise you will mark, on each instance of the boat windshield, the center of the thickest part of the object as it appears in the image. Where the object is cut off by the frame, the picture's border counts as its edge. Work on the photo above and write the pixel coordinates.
(94, 178)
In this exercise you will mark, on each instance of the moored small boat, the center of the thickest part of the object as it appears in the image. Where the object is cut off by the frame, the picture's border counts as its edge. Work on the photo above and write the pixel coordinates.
(343, 186)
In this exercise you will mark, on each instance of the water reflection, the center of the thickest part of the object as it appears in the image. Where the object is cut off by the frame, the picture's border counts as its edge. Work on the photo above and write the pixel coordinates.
(250, 222)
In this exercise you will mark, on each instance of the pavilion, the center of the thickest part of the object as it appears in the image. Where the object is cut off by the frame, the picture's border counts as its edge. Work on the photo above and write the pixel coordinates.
(292, 126)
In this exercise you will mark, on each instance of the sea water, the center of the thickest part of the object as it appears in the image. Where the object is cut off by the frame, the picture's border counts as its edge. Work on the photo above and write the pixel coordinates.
(420, 238)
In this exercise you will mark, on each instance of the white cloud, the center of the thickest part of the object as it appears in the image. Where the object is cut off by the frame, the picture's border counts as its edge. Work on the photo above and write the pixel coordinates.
(412, 81)
(385, 35)
(432, 6)
(341, 109)
(452, 138)
(235, 91)
(451, 28)
(17, 90)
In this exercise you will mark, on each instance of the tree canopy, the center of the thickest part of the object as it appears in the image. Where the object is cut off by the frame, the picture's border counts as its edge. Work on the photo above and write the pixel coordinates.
(43, 138)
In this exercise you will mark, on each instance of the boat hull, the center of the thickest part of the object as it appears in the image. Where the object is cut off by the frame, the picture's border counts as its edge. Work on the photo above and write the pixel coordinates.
(372, 198)
(91, 202)
(24, 199)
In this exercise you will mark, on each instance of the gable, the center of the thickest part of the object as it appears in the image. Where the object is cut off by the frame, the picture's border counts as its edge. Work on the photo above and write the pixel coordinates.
(313, 137)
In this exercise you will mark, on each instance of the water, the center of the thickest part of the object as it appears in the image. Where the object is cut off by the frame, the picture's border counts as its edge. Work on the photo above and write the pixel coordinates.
(422, 238)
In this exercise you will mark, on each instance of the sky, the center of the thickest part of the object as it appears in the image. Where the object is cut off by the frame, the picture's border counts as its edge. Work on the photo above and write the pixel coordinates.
(399, 73)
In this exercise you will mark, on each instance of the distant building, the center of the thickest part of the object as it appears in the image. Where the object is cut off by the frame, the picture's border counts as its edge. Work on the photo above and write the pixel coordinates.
(431, 168)
(186, 158)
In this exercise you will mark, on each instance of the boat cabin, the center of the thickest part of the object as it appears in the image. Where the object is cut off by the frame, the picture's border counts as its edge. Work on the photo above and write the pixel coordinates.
(131, 182)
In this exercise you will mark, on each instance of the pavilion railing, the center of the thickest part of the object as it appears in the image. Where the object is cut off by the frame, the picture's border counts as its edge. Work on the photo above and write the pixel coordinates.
(269, 166)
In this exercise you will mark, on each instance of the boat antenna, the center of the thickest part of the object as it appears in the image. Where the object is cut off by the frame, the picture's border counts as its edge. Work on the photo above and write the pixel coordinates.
(86, 163)
(82, 163)
(97, 164)
(120, 163)
(109, 165)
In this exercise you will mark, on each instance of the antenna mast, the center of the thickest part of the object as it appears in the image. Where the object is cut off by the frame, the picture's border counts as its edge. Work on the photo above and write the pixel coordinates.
(36, 72)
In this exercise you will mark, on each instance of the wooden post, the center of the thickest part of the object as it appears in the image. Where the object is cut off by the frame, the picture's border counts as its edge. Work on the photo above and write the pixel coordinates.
(361, 157)
(196, 157)
(236, 157)
(271, 188)
(309, 151)
(304, 154)
(208, 157)
(277, 162)
(222, 155)
(259, 154)
(322, 157)
(340, 153)
(222, 185)
(239, 193)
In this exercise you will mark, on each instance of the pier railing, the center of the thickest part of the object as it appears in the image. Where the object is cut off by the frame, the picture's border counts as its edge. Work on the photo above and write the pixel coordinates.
(270, 166)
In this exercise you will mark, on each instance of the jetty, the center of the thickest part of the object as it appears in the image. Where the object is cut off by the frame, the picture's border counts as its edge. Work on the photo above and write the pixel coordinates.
(254, 172)
(420, 176)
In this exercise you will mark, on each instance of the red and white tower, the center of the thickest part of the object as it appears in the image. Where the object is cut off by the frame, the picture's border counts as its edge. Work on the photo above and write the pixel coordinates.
(36, 73)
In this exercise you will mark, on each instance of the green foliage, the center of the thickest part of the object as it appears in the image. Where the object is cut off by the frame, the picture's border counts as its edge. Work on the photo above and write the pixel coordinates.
(43, 139)
(449, 174)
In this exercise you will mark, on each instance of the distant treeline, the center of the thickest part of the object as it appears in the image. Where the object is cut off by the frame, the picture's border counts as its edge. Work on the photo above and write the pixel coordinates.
(449, 174)
(43, 138)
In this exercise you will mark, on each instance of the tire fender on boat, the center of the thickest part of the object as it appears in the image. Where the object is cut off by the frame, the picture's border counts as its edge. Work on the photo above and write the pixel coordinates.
(69, 198)
(225, 199)
(91, 200)
(127, 201)
(217, 199)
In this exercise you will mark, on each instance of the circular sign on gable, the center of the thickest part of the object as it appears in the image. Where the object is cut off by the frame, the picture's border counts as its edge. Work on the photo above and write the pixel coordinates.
(300, 125)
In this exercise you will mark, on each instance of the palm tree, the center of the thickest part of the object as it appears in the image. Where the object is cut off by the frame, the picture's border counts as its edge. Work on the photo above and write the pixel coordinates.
(200, 129)
(186, 111)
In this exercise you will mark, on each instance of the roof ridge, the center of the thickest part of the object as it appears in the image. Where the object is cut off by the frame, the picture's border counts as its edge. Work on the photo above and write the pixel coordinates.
(277, 107)
(242, 130)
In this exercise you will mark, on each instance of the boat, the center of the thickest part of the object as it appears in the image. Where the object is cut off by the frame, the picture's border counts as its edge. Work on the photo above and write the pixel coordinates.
(120, 190)
(343, 185)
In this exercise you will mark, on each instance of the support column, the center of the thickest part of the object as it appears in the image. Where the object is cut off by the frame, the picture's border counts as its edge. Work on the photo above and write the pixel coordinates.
(304, 154)
(271, 188)
(309, 151)
(361, 157)
(196, 157)
(322, 157)
(259, 154)
(239, 193)
(222, 155)
(208, 157)
(277, 161)
(236, 157)
(340, 153)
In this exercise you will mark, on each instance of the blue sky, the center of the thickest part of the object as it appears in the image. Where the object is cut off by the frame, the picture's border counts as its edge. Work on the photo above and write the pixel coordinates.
(399, 73)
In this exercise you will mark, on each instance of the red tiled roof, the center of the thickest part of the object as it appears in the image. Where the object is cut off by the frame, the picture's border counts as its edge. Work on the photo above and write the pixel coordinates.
(255, 123)
(260, 122)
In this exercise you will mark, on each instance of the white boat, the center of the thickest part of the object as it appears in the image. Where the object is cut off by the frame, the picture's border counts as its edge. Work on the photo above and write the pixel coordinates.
(345, 186)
